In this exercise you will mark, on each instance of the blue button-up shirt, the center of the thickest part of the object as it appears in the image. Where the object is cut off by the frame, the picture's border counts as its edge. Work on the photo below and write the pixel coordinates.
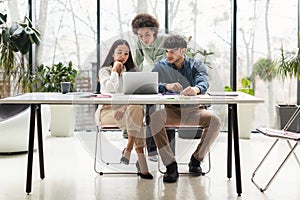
(192, 73)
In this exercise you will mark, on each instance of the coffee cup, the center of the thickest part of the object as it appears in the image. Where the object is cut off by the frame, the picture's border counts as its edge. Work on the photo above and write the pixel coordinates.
(65, 87)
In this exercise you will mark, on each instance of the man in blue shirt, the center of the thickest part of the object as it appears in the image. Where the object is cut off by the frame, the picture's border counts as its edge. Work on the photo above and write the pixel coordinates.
(185, 76)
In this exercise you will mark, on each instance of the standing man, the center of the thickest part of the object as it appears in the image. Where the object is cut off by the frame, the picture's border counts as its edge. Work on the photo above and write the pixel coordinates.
(187, 76)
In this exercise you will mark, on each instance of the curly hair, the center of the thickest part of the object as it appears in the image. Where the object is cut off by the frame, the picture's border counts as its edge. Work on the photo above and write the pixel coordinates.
(144, 20)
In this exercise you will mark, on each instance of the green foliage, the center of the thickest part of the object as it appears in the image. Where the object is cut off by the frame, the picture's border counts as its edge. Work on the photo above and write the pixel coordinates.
(15, 42)
(19, 36)
(227, 88)
(288, 64)
(265, 69)
(246, 87)
(288, 68)
(47, 79)
(192, 53)
(245, 83)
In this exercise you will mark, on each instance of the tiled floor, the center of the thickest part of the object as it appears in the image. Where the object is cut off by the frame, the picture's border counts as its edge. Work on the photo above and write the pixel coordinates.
(70, 173)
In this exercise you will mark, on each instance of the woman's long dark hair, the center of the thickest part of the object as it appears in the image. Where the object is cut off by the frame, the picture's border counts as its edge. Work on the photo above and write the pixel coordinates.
(129, 64)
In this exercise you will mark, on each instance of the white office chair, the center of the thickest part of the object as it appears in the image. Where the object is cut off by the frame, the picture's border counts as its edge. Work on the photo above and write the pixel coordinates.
(14, 125)
(194, 132)
(113, 154)
(111, 161)
(279, 135)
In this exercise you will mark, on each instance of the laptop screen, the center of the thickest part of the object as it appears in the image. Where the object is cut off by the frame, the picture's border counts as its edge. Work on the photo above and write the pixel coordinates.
(140, 82)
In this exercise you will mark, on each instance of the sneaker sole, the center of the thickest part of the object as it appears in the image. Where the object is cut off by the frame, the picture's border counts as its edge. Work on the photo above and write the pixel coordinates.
(195, 173)
(170, 181)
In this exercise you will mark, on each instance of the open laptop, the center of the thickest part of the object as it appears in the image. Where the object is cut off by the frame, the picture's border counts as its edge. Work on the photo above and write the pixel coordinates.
(140, 82)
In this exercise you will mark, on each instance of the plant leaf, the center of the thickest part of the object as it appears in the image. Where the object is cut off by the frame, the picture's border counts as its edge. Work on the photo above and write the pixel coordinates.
(3, 18)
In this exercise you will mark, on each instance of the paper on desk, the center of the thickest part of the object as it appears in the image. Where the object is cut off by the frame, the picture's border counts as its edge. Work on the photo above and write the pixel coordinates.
(96, 96)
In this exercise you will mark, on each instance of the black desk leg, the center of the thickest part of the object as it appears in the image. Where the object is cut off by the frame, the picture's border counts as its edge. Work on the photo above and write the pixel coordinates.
(35, 114)
(40, 141)
(229, 143)
(30, 148)
(236, 149)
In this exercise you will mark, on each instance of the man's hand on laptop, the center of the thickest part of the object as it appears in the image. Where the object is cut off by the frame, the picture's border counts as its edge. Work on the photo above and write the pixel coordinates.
(174, 87)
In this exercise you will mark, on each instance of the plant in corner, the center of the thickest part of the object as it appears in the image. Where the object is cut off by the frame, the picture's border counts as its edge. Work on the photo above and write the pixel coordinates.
(288, 69)
(15, 42)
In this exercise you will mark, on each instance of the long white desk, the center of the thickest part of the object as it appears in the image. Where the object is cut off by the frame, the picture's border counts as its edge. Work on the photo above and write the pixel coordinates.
(37, 99)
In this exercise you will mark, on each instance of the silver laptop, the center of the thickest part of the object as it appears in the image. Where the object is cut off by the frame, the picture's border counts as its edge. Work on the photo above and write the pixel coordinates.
(140, 82)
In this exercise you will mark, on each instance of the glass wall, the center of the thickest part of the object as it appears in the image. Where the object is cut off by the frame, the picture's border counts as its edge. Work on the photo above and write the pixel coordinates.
(263, 27)
(69, 33)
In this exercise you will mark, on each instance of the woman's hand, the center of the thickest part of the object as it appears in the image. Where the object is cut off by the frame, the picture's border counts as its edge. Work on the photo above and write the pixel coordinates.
(119, 113)
(117, 67)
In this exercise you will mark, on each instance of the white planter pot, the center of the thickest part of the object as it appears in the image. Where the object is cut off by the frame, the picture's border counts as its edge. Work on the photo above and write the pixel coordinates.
(246, 114)
(62, 120)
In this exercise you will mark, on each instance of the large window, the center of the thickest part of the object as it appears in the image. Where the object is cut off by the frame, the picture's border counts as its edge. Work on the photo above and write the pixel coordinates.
(69, 33)
(263, 27)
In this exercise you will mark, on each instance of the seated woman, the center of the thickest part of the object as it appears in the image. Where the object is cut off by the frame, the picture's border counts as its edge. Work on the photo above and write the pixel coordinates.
(129, 117)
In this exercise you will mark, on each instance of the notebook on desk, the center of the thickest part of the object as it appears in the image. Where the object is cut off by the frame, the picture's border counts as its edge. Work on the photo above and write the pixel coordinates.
(140, 82)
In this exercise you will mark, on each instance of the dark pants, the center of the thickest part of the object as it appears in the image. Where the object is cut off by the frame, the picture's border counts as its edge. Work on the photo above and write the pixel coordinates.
(151, 146)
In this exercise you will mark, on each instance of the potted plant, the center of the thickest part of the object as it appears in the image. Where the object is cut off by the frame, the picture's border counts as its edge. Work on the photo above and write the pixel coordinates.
(16, 39)
(287, 69)
(15, 42)
(48, 79)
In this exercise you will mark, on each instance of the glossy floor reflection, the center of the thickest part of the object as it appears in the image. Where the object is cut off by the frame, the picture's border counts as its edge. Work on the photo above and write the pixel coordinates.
(70, 175)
